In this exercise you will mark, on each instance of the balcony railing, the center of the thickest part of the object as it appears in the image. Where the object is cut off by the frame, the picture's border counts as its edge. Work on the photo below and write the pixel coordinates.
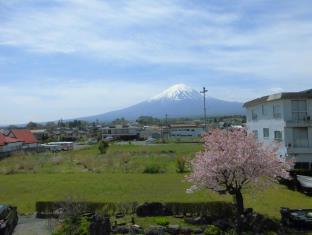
(299, 123)
(299, 150)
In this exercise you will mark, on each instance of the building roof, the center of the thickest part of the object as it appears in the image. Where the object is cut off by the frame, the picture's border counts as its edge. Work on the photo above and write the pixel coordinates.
(24, 135)
(6, 140)
(184, 126)
(39, 131)
(4, 132)
(279, 96)
(2, 142)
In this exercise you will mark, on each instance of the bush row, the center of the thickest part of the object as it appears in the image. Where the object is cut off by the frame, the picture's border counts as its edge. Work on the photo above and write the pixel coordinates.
(46, 209)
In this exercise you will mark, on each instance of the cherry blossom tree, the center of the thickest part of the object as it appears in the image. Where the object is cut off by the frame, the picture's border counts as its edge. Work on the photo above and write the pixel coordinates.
(233, 159)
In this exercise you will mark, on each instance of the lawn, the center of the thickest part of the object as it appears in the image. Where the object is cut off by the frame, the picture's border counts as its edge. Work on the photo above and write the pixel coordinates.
(119, 159)
(44, 177)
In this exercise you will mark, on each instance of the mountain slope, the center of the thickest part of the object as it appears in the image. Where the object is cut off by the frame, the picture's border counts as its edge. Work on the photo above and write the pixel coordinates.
(177, 101)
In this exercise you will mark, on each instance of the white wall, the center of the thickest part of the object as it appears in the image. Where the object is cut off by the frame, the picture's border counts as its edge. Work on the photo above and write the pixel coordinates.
(268, 121)
(189, 131)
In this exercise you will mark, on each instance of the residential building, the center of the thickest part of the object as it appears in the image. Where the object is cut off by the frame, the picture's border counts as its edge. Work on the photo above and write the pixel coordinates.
(40, 135)
(150, 132)
(186, 130)
(124, 132)
(284, 118)
(24, 135)
(8, 145)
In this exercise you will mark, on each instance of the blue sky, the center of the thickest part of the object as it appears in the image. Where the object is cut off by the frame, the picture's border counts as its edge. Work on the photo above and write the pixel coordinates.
(73, 58)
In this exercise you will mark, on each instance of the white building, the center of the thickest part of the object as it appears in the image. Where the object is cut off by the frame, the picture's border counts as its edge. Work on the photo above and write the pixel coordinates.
(121, 132)
(285, 118)
(186, 130)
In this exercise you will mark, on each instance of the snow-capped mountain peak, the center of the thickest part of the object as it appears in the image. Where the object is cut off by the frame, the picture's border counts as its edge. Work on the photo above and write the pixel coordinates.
(177, 92)
(177, 101)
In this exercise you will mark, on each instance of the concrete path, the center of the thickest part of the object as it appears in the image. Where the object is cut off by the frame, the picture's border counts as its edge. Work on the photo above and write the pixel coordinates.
(30, 225)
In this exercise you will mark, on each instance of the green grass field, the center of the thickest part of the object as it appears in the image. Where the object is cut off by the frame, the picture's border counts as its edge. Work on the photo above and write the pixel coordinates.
(119, 159)
(107, 180)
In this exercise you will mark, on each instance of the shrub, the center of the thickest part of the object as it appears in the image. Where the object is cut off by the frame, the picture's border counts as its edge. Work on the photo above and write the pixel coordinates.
(212, 230)
(181, 164)
(305, 172)
(162, 221)
(69, 226)
(153, 169)
(84, 226)
(124, 162)
(103, 146)
(215, 209)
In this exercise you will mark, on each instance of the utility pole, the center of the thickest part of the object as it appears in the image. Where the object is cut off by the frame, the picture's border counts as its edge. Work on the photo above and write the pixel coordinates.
(204, 91)
(164, 129)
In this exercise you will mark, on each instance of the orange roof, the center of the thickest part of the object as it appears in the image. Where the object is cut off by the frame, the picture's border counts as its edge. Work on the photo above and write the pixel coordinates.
(2, 137)
(24, 135)
(6, 140)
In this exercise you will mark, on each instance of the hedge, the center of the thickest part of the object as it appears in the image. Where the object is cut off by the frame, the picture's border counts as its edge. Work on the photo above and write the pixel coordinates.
(48, 209)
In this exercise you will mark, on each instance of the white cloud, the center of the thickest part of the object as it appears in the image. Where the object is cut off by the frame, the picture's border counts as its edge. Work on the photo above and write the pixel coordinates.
(168, 32)
(46, 101)
(272, 45)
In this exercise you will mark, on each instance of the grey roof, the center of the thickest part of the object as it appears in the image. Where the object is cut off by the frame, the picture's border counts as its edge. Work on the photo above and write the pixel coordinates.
(279, 96)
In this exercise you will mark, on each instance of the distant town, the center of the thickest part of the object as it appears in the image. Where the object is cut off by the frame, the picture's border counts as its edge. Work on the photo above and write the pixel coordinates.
(39, 137)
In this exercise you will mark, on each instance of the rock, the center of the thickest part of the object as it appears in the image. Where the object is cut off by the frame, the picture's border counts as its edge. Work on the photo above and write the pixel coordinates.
(155, 230)
(198, 231)
(188, 215)
(119, 215)
(136, 229)
(200, 220)
(121, 229)
(153, 209)
(186, 231)
(99, 225)
(257, 223)
(173, 229)
(223, 224)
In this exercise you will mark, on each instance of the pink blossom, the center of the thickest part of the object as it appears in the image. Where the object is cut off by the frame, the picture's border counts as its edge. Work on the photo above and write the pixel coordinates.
(232, 159)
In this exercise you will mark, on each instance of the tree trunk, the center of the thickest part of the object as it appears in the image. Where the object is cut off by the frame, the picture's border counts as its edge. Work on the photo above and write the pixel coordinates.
(239, 202)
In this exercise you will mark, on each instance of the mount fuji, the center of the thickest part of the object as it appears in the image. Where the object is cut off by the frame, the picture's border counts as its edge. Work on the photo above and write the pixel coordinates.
(177, 101)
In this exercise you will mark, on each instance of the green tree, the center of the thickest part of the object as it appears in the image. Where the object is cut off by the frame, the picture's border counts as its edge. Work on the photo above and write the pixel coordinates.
(32, 126)
(103, 146)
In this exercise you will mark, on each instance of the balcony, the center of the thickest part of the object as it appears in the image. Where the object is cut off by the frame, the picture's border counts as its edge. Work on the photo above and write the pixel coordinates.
(299, 150)
(299, 123)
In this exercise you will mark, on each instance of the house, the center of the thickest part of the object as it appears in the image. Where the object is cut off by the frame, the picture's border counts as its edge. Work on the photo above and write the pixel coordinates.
(40, 135)
(284, 118)
(124, 132)
(8, 145)
(24, 135)
(150, 132)
(186, 130)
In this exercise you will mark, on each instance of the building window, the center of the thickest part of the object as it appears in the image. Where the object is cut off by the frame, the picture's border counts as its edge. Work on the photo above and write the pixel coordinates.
(277, 111)
(264, 110)
(254, 115)
(299, 109)
(300, 135)
(278, 135)
(266, 133)
(255, 132)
